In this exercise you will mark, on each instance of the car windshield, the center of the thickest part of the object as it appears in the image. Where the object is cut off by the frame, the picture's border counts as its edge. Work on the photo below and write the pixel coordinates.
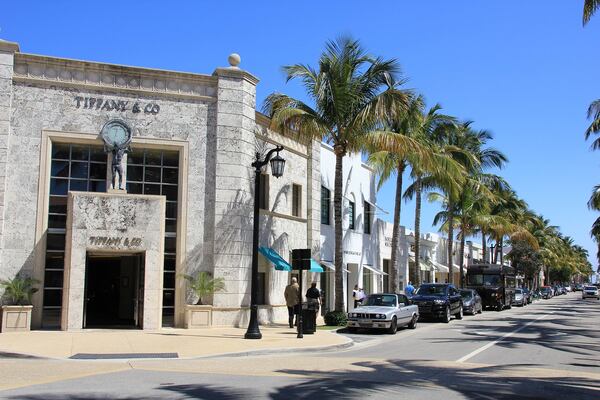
(483, 280)
(383, 300)
(431, 290)
(466, 294)
(518, 291)
(590, 288)
(545, 289)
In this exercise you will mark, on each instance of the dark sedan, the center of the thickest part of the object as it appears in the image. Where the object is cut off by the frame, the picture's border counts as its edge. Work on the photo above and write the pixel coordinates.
(471, 301)
(439, 301)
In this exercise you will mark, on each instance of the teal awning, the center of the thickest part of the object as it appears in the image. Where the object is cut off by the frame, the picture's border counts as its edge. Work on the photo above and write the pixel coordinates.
(315, 266)
(278, 261)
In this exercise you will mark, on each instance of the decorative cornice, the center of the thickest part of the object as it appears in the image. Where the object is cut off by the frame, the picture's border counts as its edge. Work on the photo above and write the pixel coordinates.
(74, 73)
(235, 72)
(12, 47)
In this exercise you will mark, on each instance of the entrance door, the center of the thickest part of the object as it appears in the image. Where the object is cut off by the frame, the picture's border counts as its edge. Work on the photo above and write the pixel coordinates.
(112, 293)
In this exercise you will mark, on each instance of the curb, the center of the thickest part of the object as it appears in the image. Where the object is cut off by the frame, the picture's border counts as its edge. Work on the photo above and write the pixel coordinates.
(259, 352)
(288, 350)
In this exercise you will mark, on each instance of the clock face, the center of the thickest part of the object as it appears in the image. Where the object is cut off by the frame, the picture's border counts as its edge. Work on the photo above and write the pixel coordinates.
(116, 134)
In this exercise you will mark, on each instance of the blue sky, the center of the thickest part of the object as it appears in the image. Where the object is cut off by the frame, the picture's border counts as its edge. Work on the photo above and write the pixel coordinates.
(521, 69)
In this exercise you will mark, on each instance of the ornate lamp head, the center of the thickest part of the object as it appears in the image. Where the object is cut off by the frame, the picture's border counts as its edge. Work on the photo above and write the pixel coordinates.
(277, 166)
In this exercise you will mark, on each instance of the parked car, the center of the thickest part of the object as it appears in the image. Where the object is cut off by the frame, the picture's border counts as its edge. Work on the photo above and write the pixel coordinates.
(439, 301)
(578, 287)
(471, 301)
(520, 298)
(568, 288)
(384, 311)
(547, 292)
(590, 291)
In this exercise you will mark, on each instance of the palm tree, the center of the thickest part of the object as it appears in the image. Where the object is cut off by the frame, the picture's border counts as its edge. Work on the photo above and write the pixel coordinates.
(352, 92)
(589, 9)
(444, 168)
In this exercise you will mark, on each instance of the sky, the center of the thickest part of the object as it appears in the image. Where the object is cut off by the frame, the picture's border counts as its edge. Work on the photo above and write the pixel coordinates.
(520, 69)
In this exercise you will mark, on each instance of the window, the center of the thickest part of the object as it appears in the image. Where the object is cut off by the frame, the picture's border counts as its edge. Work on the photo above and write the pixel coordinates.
(386, 279)
(263, 200)
(351, 213)
(367, 280)
(368, 213)
(77, 168)
(156, 172)
(296, 200)
(325, 205)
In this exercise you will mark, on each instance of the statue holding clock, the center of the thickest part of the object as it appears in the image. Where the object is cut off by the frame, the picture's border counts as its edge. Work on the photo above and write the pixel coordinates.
(116, 135)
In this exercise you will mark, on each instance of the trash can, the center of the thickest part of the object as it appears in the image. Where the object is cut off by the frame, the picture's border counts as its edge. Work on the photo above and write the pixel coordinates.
(308, 319)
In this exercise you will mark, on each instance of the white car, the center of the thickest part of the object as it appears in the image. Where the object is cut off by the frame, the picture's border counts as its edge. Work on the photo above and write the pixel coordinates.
(590, 291)
(384, 311)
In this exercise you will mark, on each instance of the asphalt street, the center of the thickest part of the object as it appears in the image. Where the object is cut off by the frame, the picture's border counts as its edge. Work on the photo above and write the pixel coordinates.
(547, 350)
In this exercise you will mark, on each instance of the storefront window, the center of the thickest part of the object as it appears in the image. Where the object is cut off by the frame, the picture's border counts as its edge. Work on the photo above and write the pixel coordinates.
(325, 205)
(156, 172)
(77, 168)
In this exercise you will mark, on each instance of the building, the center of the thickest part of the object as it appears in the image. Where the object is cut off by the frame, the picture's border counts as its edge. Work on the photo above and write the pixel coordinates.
(110, 257)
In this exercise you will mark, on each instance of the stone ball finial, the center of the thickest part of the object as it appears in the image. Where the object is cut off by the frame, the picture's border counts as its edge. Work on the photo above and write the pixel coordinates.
(234, 59)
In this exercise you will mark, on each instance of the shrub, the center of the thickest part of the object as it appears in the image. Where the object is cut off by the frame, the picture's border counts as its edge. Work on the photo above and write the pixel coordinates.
(336, 318)
(18, 291)
(203, 284)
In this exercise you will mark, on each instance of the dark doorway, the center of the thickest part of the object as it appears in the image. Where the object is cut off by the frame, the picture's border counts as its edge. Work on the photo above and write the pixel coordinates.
(113, 291)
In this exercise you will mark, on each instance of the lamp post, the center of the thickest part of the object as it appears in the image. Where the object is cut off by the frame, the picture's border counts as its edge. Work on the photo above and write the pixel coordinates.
(492, 247)
(277, 167)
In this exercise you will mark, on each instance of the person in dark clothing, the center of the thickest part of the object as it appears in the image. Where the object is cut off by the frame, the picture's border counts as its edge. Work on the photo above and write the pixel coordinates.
(313, 298)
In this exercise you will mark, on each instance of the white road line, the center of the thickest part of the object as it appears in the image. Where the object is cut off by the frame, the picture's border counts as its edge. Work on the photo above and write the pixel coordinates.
(487, 346)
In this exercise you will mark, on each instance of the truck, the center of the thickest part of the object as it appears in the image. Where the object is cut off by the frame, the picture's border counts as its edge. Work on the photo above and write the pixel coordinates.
(495, 284)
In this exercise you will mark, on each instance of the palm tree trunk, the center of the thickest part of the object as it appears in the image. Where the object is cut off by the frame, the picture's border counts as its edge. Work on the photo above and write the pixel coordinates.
(484, 247)
(417, 230)
(501, 251)
(337, 212)
(461, 256)
(396, 229)
(450, 241)
(496, 251)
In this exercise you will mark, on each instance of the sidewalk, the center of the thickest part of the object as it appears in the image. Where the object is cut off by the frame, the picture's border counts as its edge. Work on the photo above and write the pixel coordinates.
(186, 343)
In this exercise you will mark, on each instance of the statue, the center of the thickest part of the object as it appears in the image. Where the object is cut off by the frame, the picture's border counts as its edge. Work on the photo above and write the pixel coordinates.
(117, 165)
(117, 136)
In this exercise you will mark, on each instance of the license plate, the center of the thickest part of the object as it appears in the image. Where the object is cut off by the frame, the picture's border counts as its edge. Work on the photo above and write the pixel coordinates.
(365, 324)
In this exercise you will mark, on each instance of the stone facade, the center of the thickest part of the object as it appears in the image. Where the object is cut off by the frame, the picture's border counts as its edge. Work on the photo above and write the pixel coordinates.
(209, 120)
(113, 223)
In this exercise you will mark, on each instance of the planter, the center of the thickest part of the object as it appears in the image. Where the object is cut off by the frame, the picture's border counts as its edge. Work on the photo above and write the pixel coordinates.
(16, 318)
(197, 316)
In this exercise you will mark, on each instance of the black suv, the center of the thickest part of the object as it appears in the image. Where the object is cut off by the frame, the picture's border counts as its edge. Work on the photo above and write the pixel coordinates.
(438, 300)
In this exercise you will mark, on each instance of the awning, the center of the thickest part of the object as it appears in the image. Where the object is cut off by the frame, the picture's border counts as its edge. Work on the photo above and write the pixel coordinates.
(329, 265)
(377, 207)
(374, 270)
(275, 259)
(440, 267)
(423, 264)
(315, 267)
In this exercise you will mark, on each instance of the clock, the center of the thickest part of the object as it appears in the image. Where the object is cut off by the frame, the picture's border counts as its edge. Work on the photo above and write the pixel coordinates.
(116, 134)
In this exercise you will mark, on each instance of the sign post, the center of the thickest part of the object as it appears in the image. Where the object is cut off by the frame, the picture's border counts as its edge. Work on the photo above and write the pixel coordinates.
(300, 262)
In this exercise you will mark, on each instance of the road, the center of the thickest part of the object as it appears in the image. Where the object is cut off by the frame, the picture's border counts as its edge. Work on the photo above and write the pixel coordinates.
(550, 350)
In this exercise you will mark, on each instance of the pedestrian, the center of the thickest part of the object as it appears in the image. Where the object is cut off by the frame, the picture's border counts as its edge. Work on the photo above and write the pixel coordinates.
(361, 296)
(355, 296)
(410, 289)
(313, 298)
(292, 300)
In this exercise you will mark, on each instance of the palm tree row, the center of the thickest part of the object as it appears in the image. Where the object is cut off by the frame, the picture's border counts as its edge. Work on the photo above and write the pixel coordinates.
(357, 103)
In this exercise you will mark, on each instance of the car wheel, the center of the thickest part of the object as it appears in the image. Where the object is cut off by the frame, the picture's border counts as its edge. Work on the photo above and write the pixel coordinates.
(508, 307)
(448, 316)
(413, 322)
(459, 314)
(393, 327)
(480, 310)
(499, 307)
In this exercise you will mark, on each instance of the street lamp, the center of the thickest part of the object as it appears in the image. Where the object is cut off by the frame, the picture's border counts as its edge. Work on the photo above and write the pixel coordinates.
(277, 167)
(492, 247)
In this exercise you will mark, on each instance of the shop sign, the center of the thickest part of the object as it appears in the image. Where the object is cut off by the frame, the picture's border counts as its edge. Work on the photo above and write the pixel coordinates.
(109, 241)
(352, 253)
(101, 104)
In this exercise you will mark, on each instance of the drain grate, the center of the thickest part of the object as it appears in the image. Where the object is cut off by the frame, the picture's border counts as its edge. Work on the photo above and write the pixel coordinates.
(92, 356)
